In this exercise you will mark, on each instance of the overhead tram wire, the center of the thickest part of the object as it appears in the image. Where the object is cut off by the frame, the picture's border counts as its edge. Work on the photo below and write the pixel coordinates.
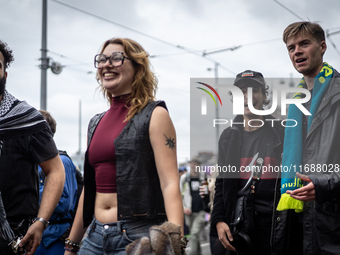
(218, 50)
(169, 54)
(334, 32)
(230, 71)
(78, 69)
(333, 44)
(288, 9)
(223, 67)
(265, 41)
(195, 52)
(72, 66)
(327, 34)
(208, 58)
(125, 27)
(221, 49)
(63, 56)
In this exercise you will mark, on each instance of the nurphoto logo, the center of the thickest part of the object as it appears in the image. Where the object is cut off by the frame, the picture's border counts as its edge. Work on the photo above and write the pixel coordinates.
(238, 100)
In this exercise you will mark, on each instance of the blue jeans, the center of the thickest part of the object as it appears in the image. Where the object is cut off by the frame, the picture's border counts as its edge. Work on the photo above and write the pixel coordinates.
(112, 238)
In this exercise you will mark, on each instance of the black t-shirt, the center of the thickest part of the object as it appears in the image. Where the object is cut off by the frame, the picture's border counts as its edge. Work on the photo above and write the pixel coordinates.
(265, 187)
(19, 179)
(197, 201)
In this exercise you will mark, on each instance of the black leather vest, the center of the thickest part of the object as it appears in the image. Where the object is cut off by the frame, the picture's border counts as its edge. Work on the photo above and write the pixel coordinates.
(138, 188)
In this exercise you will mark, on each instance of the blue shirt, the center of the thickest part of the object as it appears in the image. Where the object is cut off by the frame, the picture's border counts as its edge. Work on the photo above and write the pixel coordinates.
(66, 203)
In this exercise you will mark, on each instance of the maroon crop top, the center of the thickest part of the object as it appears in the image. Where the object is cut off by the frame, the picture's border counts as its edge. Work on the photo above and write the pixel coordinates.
(101, 152)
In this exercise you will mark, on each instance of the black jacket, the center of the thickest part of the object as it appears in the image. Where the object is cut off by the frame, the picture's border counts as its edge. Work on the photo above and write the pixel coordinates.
(285, 237)
(138, 188)
(321, 148)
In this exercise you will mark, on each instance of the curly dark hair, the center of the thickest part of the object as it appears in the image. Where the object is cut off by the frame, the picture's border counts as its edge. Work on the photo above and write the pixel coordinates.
(8, 54)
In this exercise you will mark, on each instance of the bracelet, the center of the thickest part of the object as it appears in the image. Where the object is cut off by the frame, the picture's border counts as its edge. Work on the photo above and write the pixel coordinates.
(71, 249)
(71, 245)
(43, 221)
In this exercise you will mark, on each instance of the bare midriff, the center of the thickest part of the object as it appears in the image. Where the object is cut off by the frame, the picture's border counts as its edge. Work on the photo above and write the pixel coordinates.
(106, 207)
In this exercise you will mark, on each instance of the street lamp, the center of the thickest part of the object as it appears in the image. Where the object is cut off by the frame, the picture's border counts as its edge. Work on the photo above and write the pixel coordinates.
(56, 67)
(216, 64)
(215, 69)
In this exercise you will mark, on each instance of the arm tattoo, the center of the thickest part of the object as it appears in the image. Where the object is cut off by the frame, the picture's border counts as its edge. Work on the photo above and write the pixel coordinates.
(170, 142)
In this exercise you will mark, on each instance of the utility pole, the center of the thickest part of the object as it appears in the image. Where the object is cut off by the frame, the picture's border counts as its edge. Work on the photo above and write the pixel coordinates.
(79, 151)
(217, 108)
(216, 64)
(44, 59)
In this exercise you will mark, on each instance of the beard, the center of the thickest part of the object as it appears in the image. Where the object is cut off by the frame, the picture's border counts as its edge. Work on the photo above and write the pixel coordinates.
(2, 85)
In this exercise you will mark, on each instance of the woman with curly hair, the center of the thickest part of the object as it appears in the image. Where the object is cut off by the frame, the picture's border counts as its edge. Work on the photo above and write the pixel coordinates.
(130, 172)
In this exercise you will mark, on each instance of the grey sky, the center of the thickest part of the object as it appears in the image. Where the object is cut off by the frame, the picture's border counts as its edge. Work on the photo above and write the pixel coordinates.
(195, 25)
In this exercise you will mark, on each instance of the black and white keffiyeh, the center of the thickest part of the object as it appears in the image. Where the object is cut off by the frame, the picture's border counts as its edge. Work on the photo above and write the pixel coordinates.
(15, 116)
(6, 103)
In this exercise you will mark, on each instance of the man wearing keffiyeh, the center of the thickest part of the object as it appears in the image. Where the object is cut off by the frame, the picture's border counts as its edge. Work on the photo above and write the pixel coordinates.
(25, 142)
(313, 143)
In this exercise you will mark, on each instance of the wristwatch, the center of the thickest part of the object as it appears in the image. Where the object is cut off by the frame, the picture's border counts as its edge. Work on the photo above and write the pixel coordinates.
(45, 222)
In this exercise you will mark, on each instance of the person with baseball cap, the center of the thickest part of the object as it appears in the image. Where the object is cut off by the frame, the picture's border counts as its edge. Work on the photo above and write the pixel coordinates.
(252, 145)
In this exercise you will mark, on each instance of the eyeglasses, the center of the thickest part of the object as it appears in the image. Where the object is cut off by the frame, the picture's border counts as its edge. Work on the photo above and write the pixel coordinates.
(116, 59)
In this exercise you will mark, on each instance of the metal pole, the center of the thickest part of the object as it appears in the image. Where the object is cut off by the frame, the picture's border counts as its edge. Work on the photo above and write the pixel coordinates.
(79, 127)
(44, 60)
(216, 109)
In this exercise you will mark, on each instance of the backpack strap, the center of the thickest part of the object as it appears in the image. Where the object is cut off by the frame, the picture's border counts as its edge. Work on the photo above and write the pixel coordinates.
(64, 153)
(43, 176)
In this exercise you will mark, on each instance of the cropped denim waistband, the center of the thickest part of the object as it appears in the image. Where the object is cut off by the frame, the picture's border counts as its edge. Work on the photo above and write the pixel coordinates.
(122, 225)
(112, 238)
